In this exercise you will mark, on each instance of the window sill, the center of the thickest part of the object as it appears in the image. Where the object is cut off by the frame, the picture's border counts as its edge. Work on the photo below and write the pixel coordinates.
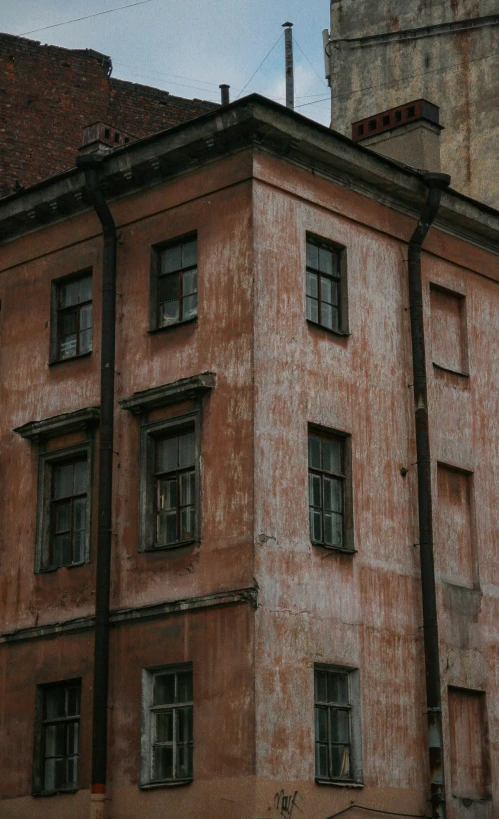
(440, 368)
(334, 549)
(171, 783)
(51, 569)
(338, 783)
(153, 549)
(60, 792)
(55, 361)
(338, 333)
(167, 327)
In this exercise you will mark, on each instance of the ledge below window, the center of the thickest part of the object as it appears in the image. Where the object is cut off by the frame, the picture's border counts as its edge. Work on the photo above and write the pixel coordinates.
(441, 368)
(172, 783)
(331, 550)
(338, 783)
(154, 330)
(151, 550)
(55, 361)
(61, 792)
(338, 333)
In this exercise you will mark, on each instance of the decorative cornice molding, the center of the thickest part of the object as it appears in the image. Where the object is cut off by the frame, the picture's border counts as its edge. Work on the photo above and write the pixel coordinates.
(59, 424)
(118, 617)
(192, 387)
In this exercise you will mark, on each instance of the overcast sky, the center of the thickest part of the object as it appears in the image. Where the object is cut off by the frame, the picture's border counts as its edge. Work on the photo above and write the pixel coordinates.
(189, 47)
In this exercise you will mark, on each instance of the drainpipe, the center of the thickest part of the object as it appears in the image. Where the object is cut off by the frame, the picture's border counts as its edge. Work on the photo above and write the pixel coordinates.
(89, 164)
(436, 183)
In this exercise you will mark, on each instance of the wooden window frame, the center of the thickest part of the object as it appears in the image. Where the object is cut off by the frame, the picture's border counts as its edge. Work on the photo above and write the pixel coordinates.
(55, 312)
(151, 433)
(461, 299)
(341, 279)
(345, 477)
(156, 276)
(39, 746)
(352, 706)
(46, 463)
(148, 743)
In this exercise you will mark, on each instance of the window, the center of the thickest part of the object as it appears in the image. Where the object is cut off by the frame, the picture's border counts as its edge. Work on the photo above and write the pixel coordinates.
(64, 508)
(57, 742)
(175, 488)
(329, 489)
(448, 324)
(326, 285)
(174, 283)
(71, 317)
(167, 725)
(469, 744)
(337, 725)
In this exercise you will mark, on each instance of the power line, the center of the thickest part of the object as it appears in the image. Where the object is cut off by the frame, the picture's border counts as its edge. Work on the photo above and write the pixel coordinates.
(310, 63)
(312, 103)
(259, 67)
(77, 19)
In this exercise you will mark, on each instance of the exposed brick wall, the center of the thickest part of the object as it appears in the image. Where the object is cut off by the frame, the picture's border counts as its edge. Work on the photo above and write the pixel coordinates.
(49, 94)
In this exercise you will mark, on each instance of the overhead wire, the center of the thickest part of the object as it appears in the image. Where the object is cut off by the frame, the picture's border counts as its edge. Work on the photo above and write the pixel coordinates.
(78, 19)
(259, 67)
(310, 62)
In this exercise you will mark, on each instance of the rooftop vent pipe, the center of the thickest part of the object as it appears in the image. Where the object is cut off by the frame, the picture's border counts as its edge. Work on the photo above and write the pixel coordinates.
(224, 91)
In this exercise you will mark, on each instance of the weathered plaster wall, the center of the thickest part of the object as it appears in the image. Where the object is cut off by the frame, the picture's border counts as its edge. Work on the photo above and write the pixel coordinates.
(456, 71)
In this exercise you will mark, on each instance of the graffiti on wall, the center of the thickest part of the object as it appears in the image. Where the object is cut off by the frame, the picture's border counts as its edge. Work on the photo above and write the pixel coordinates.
(287, 802)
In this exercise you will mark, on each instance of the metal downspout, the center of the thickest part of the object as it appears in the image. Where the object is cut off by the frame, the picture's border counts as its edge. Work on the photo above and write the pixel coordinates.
(436, 184)
(89, 164)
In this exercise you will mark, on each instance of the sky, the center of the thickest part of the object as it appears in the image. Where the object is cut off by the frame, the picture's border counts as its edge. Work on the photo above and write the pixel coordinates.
(189, 47)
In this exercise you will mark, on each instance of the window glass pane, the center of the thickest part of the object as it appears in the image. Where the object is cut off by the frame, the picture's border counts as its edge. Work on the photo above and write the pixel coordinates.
(321, 725)
(337, 687)
(187, 523)
(326, 260)
(167, 528)
(171, 259)
(327, 316)
(189, 253)
(186, 449)
(86, 317)
(169, 313)
(80, 477)
(189, 307)
(333, 495)
(340, 726)
(62, 549)
(49, 775)
(314, 488)
(55, 703)
(187, 489)
(332, 452)
(73, 702)
(321, 766)
(54, 740)
(72, 771)
(164, 689)
(184, 725)
(169, 287)
(63, 481)
(72, 734)
(326, 290)
(340, 761)
(164, 727)
(184, 761)
(63, 517)
(321, 686)
(69, 294)
(312, 309)
(314, 452)
(312, 285)
(86, 288)
(167, 454)
(78, 547)
(167, 496)
(163, 762)
(190, 282)
(85, 341)
(184, 689)
(315, 526)
(312, 256)
(79, 514)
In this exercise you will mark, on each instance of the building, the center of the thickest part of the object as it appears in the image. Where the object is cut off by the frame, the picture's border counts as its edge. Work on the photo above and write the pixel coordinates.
(387, 53)
(49, 95)
(266, 640)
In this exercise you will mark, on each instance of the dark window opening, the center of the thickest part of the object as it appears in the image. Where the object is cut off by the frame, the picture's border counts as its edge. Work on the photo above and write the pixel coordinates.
(177, 283)
(333, 725)
(411, 111)
(398, 116)
(372, 124)
(170, 725)
(360, 130)
(175, 488)
(386, 120)
(60, 744)
(324, 285)
(74, 317)
(68, 513)
(107, 133)
(326, 487)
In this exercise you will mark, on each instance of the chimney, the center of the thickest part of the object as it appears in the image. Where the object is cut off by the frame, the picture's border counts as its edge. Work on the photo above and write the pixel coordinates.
(409, 133)
(102, 137)
(224, 91)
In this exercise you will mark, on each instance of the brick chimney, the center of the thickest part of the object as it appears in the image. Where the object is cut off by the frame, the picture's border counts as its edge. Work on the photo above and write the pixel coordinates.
(102, 137)
(409, 133)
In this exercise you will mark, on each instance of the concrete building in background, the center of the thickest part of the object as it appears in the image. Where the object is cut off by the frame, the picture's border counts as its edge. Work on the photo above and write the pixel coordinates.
(49, 95)
(387, 53)
(266, 640)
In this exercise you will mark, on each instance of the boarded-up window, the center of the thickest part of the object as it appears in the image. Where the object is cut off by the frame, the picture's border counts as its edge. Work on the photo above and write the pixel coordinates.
(455, 531)
(448, 330)
(469, 746)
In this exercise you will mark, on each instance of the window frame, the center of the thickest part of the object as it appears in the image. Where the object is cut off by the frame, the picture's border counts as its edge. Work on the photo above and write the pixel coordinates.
(47, 460)
(156, 254)
(355, 725)
(149, 675)
(345, 439)
(56, 285)
(39, 756)
(341, 252)
(150, 433)
(461, 299)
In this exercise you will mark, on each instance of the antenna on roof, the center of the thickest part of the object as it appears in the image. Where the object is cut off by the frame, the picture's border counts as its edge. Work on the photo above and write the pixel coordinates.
(288, 51)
